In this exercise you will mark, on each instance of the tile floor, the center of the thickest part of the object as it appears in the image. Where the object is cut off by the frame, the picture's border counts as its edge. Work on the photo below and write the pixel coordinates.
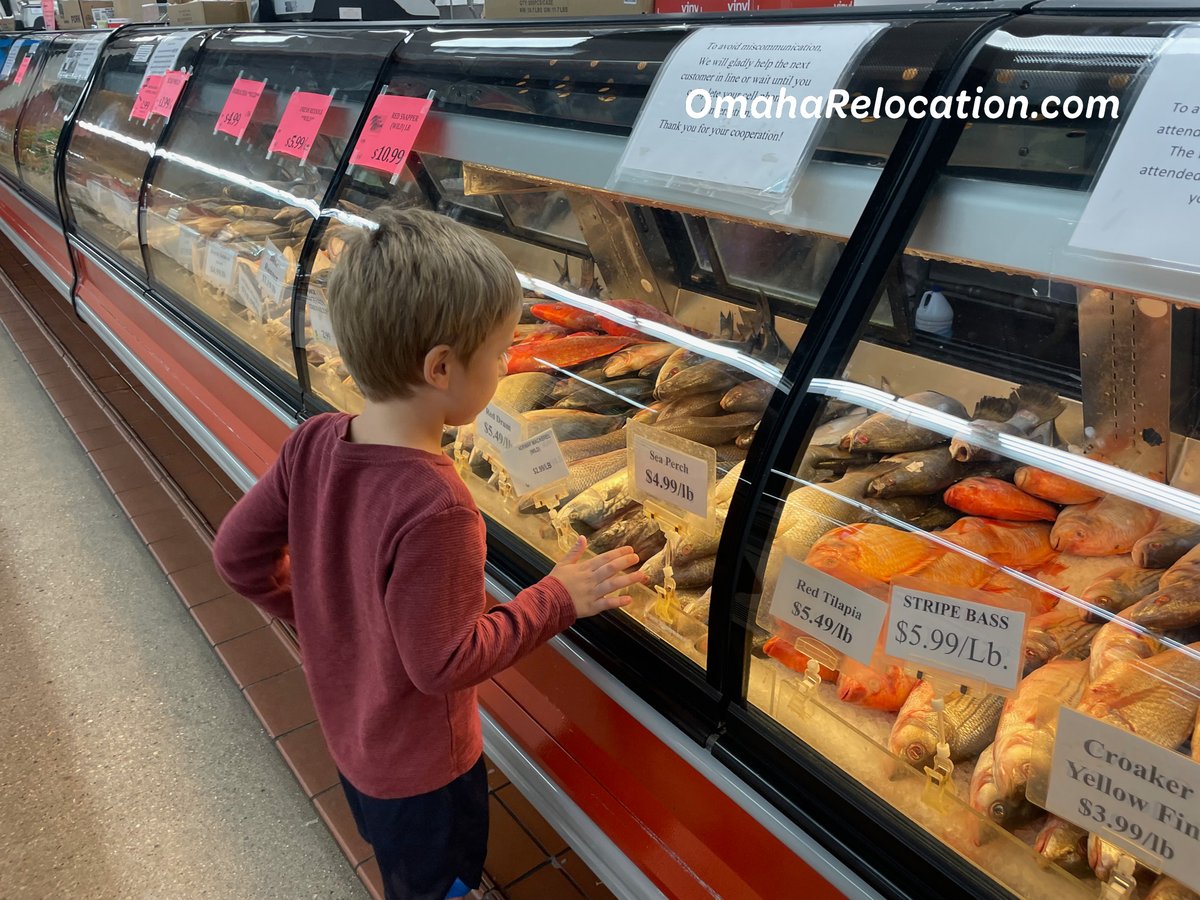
(145, 457)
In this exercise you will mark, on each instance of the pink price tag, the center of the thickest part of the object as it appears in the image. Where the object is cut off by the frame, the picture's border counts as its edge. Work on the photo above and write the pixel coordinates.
(390, 132)
(21, 70)
(300, 123)
(168, 94)
(143, 103)
(239, 107)
(48, 14)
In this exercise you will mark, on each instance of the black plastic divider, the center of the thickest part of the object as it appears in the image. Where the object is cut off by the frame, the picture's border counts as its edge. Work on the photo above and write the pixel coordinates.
(317, 231)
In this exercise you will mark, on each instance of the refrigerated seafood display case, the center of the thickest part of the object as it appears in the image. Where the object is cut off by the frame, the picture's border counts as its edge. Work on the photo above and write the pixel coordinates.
(1029, 464)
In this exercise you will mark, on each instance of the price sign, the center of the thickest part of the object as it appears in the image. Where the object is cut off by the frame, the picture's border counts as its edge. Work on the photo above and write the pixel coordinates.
(188, 242)
(143, 53)
(1135, 794)
(498, 428)
(48, 14)
(166, 54)
(248, 293)
(322, 324)
(22, 69)
(220, 264)
(677, 474)
(824, 607)
(239, 107)
(143, 103)
(10, 61)
(389, 133)
(301, 121)
(536, 463)
(168, 93)
(272, 274)
(977, 640)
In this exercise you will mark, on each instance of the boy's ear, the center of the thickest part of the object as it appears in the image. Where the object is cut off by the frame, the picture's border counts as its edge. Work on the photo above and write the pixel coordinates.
(437, 366)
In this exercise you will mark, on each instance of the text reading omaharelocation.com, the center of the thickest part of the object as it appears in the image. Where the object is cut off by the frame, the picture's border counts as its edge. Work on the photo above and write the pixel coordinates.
(702, 103)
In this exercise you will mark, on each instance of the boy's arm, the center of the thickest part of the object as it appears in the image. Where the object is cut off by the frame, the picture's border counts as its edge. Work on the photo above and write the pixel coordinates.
(435, 603)
(250, 550)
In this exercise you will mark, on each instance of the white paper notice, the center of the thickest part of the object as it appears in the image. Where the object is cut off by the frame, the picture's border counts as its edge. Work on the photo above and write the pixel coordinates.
(845, 618)
(675, 479)
(81, 57)
(322, 325)
(143, 52)
(975, 641)
(166, 54)
(10, 61)
(1135, 794)
(1146, 201)
(728, 106)
(219, 267)
(536, 463)
(498, 428)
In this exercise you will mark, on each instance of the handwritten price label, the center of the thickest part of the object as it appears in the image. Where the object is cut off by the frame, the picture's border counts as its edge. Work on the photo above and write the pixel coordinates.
(143, 103)
(220, 264)
(300, 124)
(272, 274)
(390, 131)
(536, 463)
(322, 324)
(248, 293)
(498, 428)
(676, 479)
(824, 607)
(168, 94)
(961, 638)
(239, 107)
(21, 70)
(48, 14)
(1133, 793)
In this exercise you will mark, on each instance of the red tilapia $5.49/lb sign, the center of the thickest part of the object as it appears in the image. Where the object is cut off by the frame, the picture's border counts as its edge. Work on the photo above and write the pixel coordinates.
(390, 131)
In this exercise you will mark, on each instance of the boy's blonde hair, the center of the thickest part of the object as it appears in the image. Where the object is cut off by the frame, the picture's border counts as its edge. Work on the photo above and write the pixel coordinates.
(416, 281)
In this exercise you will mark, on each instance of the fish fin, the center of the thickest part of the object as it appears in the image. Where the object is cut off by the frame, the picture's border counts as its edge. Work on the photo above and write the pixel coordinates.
(995, 409)
(1039, 399)
(726, 326)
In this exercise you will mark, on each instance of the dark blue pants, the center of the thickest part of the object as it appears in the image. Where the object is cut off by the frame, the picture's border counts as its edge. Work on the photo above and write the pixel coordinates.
(424, 844)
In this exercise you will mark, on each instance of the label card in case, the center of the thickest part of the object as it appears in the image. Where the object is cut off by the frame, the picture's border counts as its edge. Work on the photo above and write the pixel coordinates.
(974, 639)
(272, 273)
(1141, 797)
(239, 107)
(322, 325)
(828, 609)
(248, 292)
(498, 428)
(534, 465)
(220, 265)
(676, 476)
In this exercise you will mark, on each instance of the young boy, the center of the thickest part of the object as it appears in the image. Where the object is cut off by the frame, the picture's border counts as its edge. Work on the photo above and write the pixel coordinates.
(363, 535)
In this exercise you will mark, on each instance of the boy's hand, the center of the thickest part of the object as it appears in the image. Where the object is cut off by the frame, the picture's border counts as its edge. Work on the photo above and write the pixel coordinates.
(589, 580)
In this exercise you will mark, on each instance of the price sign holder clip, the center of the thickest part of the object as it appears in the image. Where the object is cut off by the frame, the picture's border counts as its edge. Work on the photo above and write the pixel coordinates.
(939, 784)
(805, 690)
(1121, 884)
(666, 605)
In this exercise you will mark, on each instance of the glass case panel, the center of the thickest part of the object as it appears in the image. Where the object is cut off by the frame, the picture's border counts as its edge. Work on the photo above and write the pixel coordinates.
(110, 149)
(227, 218)
(16, 80)
(615, 334)
(65, 68)
(1025, 462)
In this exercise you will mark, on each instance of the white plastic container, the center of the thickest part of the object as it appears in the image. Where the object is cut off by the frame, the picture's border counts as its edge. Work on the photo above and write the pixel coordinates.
(934, 314)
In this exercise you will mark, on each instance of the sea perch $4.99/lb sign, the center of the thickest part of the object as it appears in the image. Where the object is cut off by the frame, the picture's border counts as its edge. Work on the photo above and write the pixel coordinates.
(300, 123)
(824, 607)
(676, 479)
(1137, 795)
(975, 641)
(390, 132)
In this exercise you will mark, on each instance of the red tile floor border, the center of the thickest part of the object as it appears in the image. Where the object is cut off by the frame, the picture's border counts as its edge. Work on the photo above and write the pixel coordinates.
(146, 459)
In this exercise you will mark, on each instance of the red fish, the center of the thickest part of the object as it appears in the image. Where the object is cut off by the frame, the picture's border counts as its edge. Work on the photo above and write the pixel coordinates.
(785, 652)
(867, 687)
(543, 331)
(997, 499)
(567, 316)
(543, 356)
(642, 311)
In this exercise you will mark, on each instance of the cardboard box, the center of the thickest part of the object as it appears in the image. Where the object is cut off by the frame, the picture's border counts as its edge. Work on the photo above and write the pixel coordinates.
(127, 9)
(154, 12)
(69, 16)
(208, 12)
(7, 23)
(541, 9)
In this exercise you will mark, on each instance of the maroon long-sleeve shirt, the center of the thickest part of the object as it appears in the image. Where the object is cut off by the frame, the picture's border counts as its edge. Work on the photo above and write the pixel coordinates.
(385, 588)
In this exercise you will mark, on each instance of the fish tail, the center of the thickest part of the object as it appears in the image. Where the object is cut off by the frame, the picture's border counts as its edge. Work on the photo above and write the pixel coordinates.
(1040, 400)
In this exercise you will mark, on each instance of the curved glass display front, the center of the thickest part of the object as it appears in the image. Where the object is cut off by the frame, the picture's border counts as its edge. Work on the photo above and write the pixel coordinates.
(993, 523)
(22, 57)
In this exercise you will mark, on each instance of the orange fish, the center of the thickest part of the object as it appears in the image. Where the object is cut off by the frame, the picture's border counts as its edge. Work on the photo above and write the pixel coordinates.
(875, 551)
(998, 500)
(567, 316)
(543, 331)
(1055, 488)
(785, 652)
(1039, 601)
(1019, 545)
(642, 311)
(543, 356)
(872, 689)
(1109, 526)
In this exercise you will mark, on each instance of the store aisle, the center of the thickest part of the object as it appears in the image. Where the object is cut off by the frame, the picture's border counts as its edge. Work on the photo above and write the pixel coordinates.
(130, 765)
